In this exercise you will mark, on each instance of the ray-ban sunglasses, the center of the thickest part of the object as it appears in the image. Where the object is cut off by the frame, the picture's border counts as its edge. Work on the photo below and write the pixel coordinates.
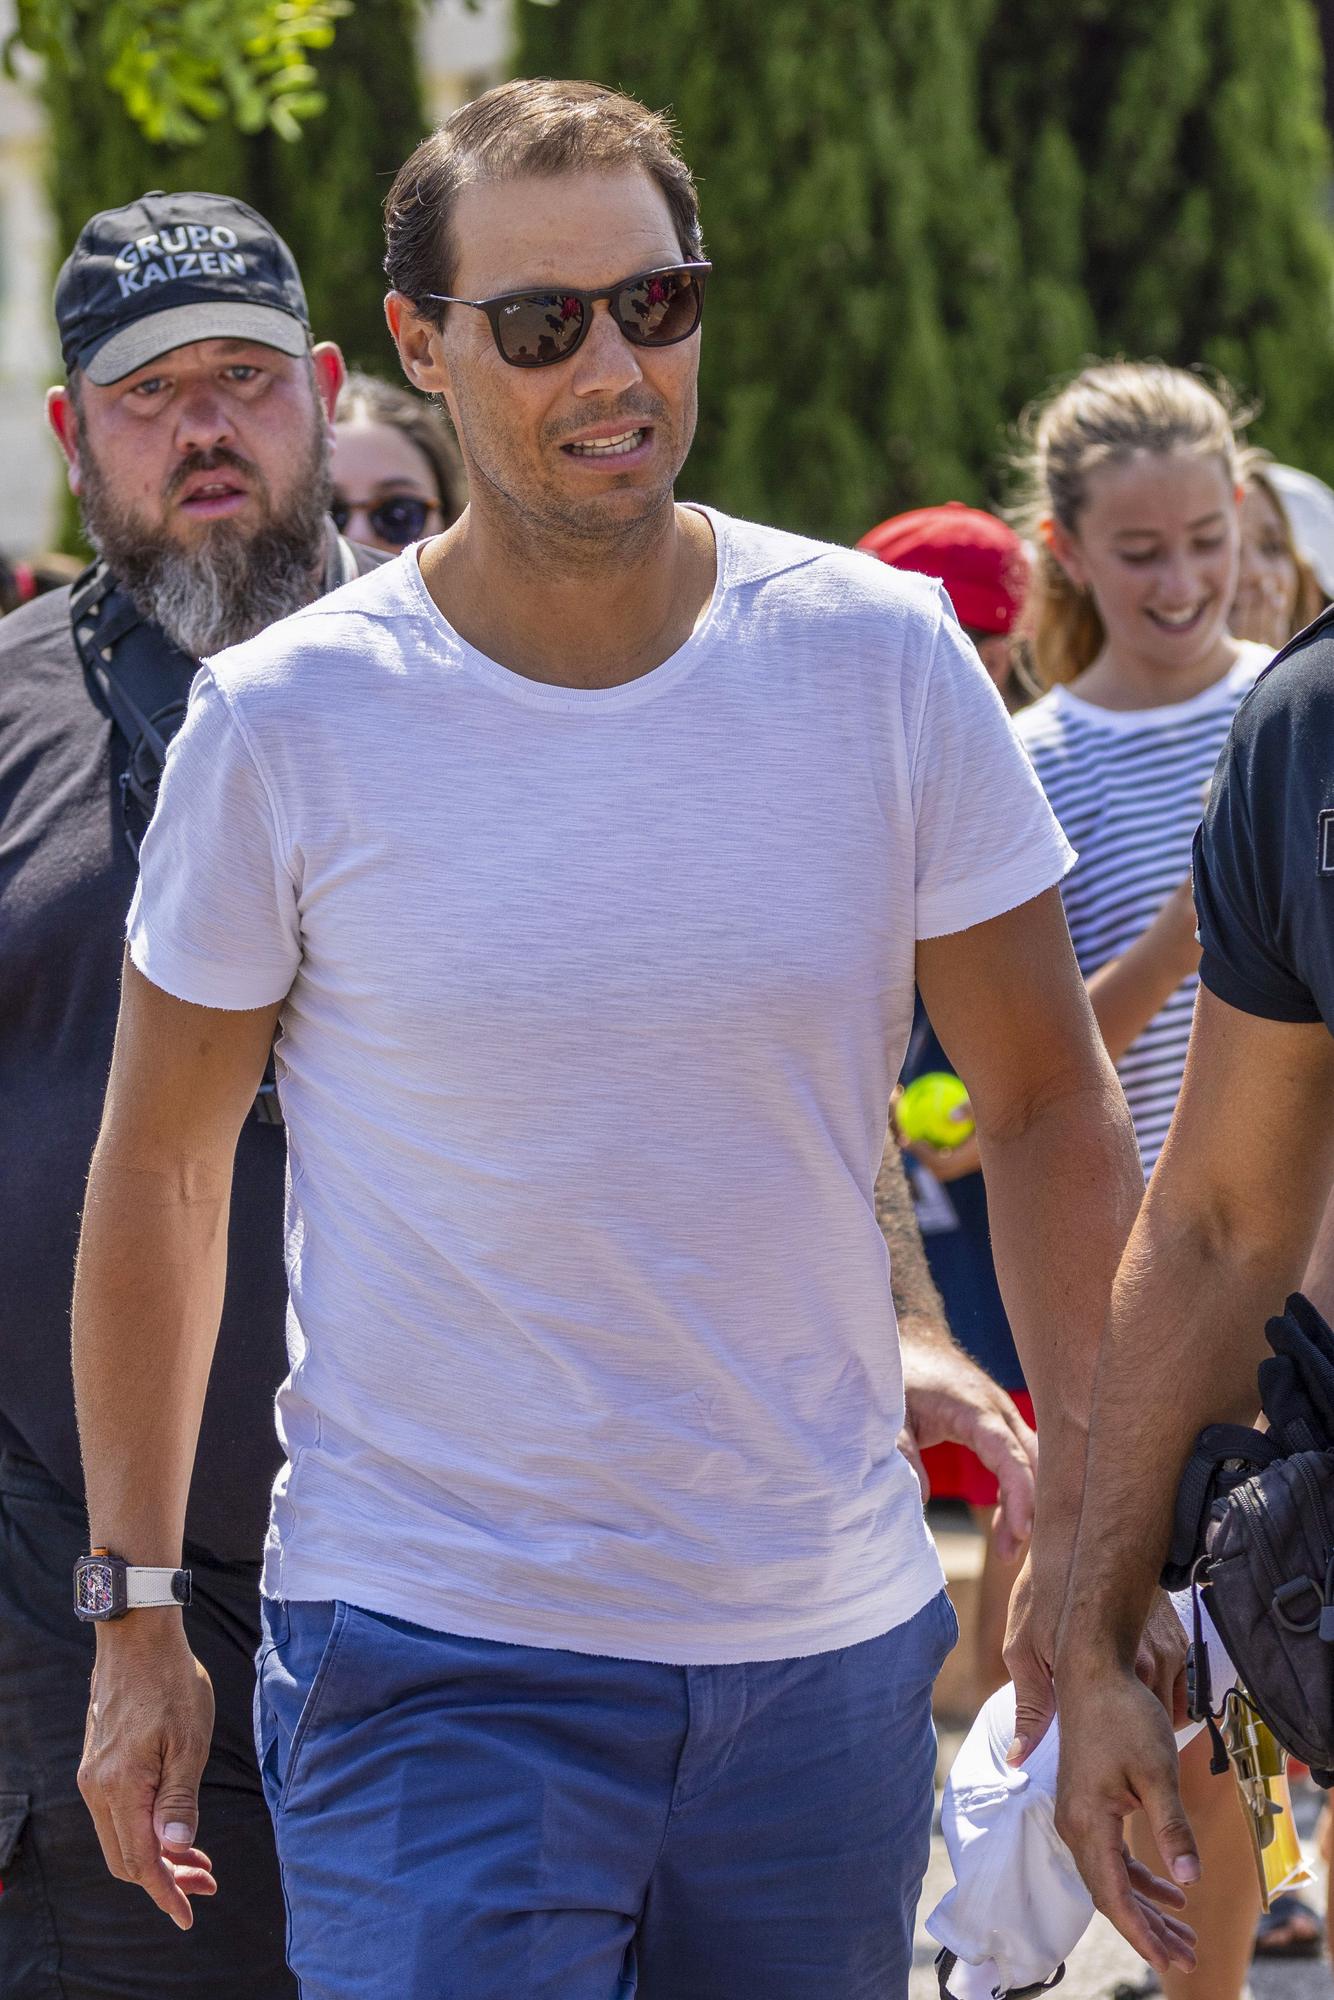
(533, 329)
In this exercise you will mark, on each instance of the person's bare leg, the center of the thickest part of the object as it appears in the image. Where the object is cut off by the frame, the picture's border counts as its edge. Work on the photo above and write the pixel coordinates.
(1225, 1903)
(993, 1604)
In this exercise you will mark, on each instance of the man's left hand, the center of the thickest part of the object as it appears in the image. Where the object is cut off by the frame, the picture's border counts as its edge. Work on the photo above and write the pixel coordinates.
(950, 1399)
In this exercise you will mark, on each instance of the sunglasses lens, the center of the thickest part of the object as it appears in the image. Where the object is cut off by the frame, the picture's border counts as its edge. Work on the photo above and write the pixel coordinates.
(540, 327)
(660, 309)
(340, 514)
(400, 520)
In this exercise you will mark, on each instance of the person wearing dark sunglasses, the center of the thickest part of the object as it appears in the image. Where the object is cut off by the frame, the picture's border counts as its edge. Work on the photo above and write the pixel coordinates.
(585, 856)
(396, 470)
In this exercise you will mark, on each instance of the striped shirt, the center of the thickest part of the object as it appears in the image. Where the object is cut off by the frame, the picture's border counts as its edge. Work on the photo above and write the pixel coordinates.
(1129, 786)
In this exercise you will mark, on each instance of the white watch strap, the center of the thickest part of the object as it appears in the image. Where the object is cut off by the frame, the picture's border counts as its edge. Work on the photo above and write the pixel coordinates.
(147, 1588)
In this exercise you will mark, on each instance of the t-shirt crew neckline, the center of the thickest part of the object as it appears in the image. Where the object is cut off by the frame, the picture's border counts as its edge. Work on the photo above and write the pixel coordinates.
(1226, 691)
(566, 700)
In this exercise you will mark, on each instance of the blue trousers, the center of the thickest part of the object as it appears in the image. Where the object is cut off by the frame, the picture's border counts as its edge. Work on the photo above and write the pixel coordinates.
(459, 1819)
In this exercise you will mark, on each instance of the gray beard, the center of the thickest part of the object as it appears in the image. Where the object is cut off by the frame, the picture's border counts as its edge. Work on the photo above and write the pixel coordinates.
(233, 582)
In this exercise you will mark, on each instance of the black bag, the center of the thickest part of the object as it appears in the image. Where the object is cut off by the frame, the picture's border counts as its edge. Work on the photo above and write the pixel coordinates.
(1254, 1533)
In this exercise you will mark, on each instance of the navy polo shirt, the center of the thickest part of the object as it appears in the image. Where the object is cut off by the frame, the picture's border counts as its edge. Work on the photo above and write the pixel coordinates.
(1264, 856)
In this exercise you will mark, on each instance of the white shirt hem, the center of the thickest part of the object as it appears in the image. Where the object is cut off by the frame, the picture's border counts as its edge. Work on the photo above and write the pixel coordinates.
(912, 1586)
(203, 982)
(992, 895)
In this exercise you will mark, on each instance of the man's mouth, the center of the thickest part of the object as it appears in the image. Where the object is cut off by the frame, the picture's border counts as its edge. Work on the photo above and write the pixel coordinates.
(212, 499)
(619, 446)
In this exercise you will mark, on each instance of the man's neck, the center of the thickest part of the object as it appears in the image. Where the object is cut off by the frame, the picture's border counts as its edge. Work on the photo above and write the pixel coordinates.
(582, 616)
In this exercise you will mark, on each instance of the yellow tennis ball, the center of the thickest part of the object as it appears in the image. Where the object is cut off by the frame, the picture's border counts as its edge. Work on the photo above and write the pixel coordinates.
(923, 1112)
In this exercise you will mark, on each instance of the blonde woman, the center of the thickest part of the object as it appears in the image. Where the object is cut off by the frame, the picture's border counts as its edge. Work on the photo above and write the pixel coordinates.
(1278, 591)
(1133, 500)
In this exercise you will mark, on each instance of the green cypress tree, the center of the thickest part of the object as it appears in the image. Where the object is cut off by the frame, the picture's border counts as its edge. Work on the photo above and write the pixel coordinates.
(862, 315)
(1168, 164)
(322, 192)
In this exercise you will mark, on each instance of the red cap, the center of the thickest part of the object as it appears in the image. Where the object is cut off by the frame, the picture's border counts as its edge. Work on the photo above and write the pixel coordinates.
(981, 562)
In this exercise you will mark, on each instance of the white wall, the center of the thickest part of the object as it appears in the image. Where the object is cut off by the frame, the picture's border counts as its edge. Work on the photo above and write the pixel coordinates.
(463, 53)
(30, 474)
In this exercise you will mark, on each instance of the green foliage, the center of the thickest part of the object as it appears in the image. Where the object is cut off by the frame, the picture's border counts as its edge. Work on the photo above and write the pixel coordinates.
(1169, 167)
(323, 196)
(921, 212)
(862, 312)
(181, 65)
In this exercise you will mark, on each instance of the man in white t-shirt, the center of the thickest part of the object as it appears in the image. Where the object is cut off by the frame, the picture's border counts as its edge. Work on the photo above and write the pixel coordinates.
(583, 860)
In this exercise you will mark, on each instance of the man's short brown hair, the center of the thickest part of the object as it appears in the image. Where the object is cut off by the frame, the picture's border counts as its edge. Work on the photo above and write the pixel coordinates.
(532, 126)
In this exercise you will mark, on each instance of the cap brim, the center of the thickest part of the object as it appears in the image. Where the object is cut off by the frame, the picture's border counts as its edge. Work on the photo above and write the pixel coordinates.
(176, 326)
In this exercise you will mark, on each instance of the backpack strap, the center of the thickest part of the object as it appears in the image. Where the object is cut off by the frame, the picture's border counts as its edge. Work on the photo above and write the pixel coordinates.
(1224, 1454)
(144, 679)
(141, 677)
(137, 674)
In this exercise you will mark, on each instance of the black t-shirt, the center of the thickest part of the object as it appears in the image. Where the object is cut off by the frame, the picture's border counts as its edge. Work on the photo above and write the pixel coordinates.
(66, 878)
(1264, 857)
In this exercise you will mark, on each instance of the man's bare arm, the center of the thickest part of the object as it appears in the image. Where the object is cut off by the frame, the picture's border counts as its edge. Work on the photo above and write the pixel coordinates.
(148, 1296)
(946, 1395)
(917, 1303)
(1224, 1234)
(153, 1257)
(1063, 1184)
(1318, 1282)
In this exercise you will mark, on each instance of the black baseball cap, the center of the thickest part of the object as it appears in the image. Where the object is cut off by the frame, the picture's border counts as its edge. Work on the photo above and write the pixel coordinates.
(171, 268)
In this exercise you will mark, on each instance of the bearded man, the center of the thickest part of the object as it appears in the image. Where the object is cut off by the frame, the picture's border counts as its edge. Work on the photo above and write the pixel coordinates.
(195, 419)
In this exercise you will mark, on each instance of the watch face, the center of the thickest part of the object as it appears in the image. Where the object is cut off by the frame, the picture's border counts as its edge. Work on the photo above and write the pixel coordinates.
(94, 1589)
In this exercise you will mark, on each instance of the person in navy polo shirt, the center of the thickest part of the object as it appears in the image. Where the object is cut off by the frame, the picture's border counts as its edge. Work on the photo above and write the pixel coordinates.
(1226, 1232)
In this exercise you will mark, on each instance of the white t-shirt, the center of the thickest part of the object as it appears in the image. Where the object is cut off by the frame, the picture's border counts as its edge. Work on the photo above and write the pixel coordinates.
(1129, 787)
(594, 1000)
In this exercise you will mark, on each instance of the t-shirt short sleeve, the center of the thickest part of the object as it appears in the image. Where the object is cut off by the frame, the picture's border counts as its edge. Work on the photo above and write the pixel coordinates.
(1238, 870)
(987, 840)
(215, 919)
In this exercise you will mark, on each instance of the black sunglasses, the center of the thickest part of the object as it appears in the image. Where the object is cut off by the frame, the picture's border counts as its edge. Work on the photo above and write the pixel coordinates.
(400, 519)
(533, 329)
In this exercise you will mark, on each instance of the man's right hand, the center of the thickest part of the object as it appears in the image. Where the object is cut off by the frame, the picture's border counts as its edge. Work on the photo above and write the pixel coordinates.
(1038, 1609)
(150, 1722)
(1118, 1754)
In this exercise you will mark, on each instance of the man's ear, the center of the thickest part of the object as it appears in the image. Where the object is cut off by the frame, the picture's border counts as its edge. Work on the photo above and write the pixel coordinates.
(326, 358)
(418, 343)
(64, 421)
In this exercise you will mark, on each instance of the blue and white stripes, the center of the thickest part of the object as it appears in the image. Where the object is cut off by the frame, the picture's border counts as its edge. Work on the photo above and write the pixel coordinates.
(1129, 787)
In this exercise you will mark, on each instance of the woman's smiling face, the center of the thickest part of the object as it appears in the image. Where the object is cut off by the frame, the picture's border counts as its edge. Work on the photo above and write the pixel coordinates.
(1157, 543)
(1268, 581)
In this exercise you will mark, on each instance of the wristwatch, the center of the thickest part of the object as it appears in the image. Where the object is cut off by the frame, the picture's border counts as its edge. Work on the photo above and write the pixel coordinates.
(106, 1587)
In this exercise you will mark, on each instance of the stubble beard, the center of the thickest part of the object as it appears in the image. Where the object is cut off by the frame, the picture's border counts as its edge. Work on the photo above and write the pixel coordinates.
(233, 580)
(548, 530)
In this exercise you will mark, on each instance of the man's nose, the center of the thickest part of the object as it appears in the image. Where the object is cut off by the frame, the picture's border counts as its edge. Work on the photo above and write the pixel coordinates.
(606, 364)
(203, 421)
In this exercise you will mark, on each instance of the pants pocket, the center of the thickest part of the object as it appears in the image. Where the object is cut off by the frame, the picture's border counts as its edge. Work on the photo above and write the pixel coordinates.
(293, 1677)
